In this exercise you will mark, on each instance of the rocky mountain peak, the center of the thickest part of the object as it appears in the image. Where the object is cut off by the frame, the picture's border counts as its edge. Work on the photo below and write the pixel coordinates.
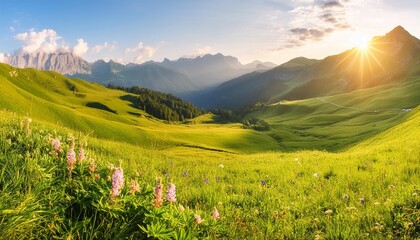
(63, 62)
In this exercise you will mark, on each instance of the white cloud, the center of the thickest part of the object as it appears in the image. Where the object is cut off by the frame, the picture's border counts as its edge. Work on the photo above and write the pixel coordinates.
(202, 51)
(43, 41)
(2, 56)
(12, 29)
(140, 53)
(80, 48)
(199, 51)
(105, 46)
(315, 20)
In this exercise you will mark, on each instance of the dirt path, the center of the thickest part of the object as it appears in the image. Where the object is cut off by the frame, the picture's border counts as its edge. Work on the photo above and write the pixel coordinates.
(365, 110)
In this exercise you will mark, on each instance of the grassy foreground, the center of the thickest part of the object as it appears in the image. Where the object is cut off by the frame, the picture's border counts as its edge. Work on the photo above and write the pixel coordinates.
(368, 191)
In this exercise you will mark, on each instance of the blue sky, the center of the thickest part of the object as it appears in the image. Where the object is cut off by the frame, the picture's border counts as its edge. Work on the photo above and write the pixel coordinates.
(142, 30)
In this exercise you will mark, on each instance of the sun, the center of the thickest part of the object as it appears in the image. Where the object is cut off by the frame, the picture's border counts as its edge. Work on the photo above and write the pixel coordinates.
(362, 42)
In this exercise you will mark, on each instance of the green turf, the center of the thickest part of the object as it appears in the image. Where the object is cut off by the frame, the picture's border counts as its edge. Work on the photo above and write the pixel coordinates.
(337, 122)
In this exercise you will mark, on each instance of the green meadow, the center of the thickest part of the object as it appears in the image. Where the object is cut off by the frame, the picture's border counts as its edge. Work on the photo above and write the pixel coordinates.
(339, 167)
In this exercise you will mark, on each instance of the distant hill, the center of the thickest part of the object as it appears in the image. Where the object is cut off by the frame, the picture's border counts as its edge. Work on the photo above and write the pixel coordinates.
(389, 59)
(148, 75)
(211, 70)
(257, 86)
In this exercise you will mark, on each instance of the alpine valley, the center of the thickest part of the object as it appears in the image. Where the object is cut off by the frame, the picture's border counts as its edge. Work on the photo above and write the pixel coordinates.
(324, 149)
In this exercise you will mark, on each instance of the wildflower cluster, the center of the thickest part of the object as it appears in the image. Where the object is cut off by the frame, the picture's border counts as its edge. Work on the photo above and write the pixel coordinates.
(117, 182)
(71, 161)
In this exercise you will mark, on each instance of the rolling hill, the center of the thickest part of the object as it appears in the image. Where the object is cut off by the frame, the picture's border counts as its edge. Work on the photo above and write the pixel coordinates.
(257, 86)
(110, 114)
(333, 119)
(342, 120)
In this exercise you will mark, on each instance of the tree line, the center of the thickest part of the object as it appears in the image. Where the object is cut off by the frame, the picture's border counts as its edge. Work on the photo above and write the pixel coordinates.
(161, 105)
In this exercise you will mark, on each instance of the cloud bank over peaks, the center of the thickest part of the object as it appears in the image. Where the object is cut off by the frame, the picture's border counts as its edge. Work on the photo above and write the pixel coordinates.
(199, 51)
(81, 47)
(140, 53)
(104, 47)
(48, 41)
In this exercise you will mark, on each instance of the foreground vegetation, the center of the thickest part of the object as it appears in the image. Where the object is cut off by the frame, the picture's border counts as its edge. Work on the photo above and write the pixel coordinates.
(369, 191)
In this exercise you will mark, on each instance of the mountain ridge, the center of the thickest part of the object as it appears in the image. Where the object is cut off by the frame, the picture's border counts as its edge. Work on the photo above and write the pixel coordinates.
(170, 76)
(344, 72)
(62, 62)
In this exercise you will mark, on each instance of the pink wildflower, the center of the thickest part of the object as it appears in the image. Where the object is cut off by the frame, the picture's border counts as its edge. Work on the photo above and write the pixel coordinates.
(92, 167)
(71, 160)
(181, 208)
(117, 182)
(134, 186)
(171, 196)
(215, 214)
(57, 145)
(81, 156)
(158, 194)
(198, 219)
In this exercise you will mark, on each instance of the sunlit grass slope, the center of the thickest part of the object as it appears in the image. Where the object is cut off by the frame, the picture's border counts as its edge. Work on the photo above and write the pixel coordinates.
(51, 97)
(339, 121)
(370, 191)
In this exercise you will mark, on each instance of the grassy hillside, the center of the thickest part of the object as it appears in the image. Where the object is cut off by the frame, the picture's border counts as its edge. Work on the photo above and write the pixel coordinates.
(369, 191)
(330, 123)
(335, 122)
(102, 112)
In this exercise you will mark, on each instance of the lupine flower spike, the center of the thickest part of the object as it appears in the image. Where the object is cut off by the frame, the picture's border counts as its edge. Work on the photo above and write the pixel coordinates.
(158, 194)
(71, 161)
(181, 208)
(81, 156)
(215, 214)
(171, 196)
(134, 187)
(57, 145)
(92, 167)
(198, 219)
(117, 182)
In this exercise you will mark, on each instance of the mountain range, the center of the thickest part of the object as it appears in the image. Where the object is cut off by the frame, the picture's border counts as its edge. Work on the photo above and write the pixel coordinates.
(178, 77)
(218, 81)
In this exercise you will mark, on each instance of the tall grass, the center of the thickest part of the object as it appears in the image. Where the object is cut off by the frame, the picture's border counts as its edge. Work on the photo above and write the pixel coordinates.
(370, 191)
(43, 198)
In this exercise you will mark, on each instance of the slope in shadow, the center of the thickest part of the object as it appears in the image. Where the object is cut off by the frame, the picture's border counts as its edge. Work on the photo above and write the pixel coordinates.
(100, 106)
